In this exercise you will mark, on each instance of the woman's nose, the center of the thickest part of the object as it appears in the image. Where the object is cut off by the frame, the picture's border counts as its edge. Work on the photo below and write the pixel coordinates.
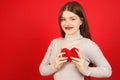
(67, 22)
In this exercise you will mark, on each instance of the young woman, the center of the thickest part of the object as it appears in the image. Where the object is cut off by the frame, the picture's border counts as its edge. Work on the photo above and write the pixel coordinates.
(75, 38)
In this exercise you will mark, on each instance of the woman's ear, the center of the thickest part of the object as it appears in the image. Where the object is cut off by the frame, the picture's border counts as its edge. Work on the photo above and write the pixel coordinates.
(81, 21)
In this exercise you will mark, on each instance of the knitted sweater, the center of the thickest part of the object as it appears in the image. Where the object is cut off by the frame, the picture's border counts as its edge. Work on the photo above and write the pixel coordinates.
(90, 52)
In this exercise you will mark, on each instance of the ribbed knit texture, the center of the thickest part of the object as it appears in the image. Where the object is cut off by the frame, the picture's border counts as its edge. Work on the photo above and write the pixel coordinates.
(90, 51)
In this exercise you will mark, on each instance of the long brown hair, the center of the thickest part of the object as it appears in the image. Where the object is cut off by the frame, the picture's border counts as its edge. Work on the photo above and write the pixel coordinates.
(77, 9)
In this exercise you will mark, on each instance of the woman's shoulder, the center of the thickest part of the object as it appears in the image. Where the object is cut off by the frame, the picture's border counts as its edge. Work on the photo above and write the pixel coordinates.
(57, 40)
(89, 41)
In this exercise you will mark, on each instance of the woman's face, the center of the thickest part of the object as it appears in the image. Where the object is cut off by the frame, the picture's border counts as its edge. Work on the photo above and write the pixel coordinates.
(70, 22)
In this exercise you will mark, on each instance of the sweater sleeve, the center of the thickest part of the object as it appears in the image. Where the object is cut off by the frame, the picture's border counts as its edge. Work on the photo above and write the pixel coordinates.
(45, 67)
(102, 68)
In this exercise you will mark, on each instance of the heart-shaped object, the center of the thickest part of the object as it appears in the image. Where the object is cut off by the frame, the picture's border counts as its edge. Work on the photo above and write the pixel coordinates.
(69, 53)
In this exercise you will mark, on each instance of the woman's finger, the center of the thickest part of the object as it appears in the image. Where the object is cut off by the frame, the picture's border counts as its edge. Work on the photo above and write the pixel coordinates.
(62, 58)
(61, 62)
(60, 54)
(75, 59)
(79, 54)
(76, 62)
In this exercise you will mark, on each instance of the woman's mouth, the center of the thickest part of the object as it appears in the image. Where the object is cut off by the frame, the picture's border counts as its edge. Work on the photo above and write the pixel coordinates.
(68, 28)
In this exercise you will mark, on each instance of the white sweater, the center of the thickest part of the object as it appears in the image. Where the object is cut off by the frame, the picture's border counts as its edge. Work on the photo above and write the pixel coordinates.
(91, 54)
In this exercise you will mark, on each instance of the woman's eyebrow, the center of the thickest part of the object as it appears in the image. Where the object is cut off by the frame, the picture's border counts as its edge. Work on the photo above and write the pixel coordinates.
(73, 17)
(70, 17)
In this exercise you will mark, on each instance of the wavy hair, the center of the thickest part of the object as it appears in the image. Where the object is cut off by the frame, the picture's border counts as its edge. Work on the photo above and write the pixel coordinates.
(77, 9)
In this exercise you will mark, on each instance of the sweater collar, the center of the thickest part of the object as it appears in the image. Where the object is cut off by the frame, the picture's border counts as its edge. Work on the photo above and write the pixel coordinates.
(74, 36)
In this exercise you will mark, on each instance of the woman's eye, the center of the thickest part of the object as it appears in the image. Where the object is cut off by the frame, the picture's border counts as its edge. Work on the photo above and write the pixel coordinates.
(72, 19)
(62, 19)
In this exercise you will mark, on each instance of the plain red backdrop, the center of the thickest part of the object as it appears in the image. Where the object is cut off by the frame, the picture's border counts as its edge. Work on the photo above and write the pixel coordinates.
(28, 26)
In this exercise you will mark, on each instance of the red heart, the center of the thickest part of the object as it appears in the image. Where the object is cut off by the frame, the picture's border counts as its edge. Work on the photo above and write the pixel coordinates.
(69, 53)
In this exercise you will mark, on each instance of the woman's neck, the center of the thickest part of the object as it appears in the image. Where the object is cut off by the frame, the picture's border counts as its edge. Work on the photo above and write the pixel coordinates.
(73, 36)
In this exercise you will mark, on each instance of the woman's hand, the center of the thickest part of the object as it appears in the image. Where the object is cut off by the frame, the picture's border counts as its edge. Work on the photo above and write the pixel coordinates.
(59, 60)
(79, 62)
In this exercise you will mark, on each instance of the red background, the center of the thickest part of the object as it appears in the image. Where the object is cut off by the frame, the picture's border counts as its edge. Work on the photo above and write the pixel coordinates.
(28, 26)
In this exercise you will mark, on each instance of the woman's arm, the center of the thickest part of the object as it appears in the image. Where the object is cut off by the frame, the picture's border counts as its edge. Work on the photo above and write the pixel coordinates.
(45, 67)
(102, 67)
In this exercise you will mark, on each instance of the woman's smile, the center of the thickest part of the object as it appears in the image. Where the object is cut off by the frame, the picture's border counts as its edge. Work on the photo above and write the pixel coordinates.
(68, 28)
